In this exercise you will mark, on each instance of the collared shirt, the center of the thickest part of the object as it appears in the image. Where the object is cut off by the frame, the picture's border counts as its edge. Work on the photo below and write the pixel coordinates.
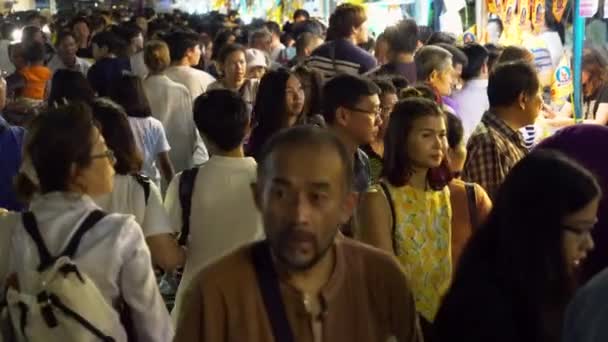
(363, 172)
(472, 102)
(366, 298)
(113, 254)
(81, 65)
(493, 149)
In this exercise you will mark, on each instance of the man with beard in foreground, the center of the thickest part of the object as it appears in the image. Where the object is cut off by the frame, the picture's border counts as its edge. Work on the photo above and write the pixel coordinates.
(304, 282)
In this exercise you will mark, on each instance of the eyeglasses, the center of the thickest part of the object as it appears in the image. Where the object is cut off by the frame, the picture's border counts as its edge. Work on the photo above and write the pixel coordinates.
(107, 154)
(375, 112)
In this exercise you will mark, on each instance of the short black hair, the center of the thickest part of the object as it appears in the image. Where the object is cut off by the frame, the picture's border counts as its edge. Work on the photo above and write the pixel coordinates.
(222, 117)
(494, 52)
(403, 38)
(345, 91)
(311, 26)
(509, 80)
(301, 13)
(78, 20)
(109, 40)
(400, 82)
(70, 85)
(34, 52)
(455, 130)
(458, 57)
(273, 27)
(228, 50)
(346, 17)
(441, 37)
(180, 42)
(385, 85)
(306, 135)
(477, 56)
(63, 35)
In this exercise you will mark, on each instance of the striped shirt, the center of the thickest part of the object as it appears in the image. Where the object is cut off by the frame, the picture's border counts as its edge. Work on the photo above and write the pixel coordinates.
(493, 149)
(340, 56)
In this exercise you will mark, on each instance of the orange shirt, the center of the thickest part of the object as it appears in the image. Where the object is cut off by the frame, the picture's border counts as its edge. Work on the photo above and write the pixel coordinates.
(36, 79)
(461, 220)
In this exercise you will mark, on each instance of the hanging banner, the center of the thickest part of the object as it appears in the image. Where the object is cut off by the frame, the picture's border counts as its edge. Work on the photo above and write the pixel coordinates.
(524, 15)
(509, 12)
(588, 8)
(559, 7)
(605, 9)
(495, 6)
(538, 15)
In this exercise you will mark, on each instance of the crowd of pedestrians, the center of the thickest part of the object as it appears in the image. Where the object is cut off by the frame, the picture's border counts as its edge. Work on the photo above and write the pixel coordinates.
(167, 178)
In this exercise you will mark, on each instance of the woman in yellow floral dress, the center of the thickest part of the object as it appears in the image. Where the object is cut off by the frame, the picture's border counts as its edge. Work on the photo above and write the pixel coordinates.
(409, 213)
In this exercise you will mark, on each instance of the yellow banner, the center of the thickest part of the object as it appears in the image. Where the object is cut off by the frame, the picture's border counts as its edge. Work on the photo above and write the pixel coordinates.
(538, 15)
(559, 7)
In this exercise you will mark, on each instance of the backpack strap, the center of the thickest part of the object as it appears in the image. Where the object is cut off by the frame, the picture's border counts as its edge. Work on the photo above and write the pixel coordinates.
(145, 184)
(471, 203)
(46, 259)
(186, 189)
(387, 193)
(88, 223)
(268, 282)
(31, 226)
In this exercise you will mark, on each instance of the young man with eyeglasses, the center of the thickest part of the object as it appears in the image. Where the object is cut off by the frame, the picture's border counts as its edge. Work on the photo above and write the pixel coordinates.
(351, 108)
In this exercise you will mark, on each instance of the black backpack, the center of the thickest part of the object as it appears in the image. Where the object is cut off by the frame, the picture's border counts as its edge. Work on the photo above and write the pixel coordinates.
(186, 189)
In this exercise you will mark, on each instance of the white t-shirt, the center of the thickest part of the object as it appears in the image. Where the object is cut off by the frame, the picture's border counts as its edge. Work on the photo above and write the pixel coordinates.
(223, 214)
(138, 65)
(113, 254)
(128, 197)
(196, 81)
(151, 140)
(171, 103)
(472, 102)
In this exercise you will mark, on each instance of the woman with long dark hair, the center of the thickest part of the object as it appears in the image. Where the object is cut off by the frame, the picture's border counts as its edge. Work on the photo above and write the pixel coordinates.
(148, 131)
(409, 214)
(278, 105)
(132, 193)
(70, 85)
(66, 164)
(517, 274)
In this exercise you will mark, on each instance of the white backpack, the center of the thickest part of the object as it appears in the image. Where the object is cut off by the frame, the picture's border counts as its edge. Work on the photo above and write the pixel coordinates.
(58, 302)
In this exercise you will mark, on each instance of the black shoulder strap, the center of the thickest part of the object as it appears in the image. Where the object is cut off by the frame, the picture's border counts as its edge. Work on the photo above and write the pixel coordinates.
(387, 193)
(88, 223)
(332, 54)
(31, 226)
(268, 283)
(46, 259)
(186, 189)
(471, 203)
(145, 184)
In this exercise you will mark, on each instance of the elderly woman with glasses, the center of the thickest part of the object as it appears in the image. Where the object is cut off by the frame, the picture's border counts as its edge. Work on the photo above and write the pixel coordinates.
(67, 163)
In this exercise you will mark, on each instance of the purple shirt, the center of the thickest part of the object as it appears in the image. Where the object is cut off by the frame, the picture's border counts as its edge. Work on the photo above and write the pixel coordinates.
(586, 145)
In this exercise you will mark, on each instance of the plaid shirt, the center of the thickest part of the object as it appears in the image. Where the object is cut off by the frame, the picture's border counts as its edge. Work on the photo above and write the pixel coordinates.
(493, 149)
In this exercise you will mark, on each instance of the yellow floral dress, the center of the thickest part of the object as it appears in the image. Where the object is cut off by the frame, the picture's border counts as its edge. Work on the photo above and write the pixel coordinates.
(423, 241)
